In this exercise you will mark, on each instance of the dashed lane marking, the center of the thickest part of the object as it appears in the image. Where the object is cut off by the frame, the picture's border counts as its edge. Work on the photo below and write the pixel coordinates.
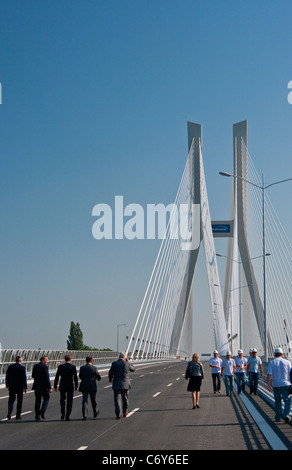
(132, 412)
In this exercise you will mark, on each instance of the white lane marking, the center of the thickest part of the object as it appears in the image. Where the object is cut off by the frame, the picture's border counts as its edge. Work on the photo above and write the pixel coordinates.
(7, 396)
(25, 413)
(156, 394)
(82, 448)
(132, 412)
(169, 385)
(108, 386)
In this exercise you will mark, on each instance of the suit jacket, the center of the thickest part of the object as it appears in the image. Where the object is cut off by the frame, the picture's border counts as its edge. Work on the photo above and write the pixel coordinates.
(119, 374)
(40, 374)
(88, 375)
(16, 377)
(69, 379)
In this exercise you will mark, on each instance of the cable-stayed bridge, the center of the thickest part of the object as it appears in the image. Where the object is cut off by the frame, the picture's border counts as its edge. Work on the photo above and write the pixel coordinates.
(256, 295)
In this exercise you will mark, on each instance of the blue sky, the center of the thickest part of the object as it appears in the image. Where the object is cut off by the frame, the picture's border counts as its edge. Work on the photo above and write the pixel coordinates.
(95, 102)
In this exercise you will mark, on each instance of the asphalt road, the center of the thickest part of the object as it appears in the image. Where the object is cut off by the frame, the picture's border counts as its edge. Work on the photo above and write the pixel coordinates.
(161, 418)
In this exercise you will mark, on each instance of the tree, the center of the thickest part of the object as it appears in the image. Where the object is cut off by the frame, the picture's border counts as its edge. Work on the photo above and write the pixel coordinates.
(75, 338)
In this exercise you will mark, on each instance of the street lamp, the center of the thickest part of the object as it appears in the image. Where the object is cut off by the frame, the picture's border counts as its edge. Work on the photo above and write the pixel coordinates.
(237, 305)
(120, 324)
(240, 262)
(262, 188)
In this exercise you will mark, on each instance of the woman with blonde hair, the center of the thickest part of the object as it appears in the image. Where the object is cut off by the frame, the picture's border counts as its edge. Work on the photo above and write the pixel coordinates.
(195, 374)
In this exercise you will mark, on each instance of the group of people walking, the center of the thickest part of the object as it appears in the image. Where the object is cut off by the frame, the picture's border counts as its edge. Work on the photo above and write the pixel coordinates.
(238, 367)
(279, 377)
(67, 379)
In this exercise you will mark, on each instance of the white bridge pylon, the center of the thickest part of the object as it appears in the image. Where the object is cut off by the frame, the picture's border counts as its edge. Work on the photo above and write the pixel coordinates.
(164, 324)
(163, 327)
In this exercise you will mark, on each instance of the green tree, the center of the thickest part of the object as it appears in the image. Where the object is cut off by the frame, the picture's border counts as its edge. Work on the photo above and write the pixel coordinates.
(75, 338)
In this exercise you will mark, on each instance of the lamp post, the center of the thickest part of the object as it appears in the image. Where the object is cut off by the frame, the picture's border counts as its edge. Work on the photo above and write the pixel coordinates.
(237, 305)
(120, 324)
(262, 188)
(240, 262)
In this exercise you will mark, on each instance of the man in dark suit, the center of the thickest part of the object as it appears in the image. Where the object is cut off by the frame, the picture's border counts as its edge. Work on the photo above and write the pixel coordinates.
(17, 384)
(119, 374)
(89, 375)
(68, 382)
(42, 387)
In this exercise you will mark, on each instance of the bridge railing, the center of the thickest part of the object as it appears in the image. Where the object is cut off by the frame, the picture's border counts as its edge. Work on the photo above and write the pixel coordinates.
(56, 357)
(30, 357)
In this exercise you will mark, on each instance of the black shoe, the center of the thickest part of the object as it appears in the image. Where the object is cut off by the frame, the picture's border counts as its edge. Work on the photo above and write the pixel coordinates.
(96, 413)
(197, 406)
(18, 417)
(37, 418)
(43, 415)
(9, 416)
(287, 420)
(84, 418)
(62, 417)
(67, 418)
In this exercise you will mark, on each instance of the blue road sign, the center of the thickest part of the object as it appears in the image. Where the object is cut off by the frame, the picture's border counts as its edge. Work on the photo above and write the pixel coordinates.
(221, 228)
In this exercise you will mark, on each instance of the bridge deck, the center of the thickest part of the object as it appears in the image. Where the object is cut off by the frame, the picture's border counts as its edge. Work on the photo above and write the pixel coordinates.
(162, 419)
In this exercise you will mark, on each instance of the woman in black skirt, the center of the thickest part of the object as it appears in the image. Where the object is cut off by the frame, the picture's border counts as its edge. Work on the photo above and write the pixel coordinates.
(195, 374)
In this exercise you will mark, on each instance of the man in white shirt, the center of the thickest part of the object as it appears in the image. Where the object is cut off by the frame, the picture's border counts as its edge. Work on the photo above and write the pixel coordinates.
(215, 363)
(253, 370)
(227, 369)
(241, 364)
(279, 375)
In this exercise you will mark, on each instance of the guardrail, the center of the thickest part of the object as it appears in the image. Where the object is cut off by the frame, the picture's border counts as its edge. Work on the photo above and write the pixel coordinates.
(102, 359)
(32, 356)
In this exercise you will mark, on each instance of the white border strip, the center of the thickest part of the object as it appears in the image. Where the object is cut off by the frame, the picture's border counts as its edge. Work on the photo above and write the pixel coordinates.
(272, 438)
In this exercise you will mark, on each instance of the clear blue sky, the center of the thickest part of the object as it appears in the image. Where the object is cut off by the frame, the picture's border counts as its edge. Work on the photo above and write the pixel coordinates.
(96, 96)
